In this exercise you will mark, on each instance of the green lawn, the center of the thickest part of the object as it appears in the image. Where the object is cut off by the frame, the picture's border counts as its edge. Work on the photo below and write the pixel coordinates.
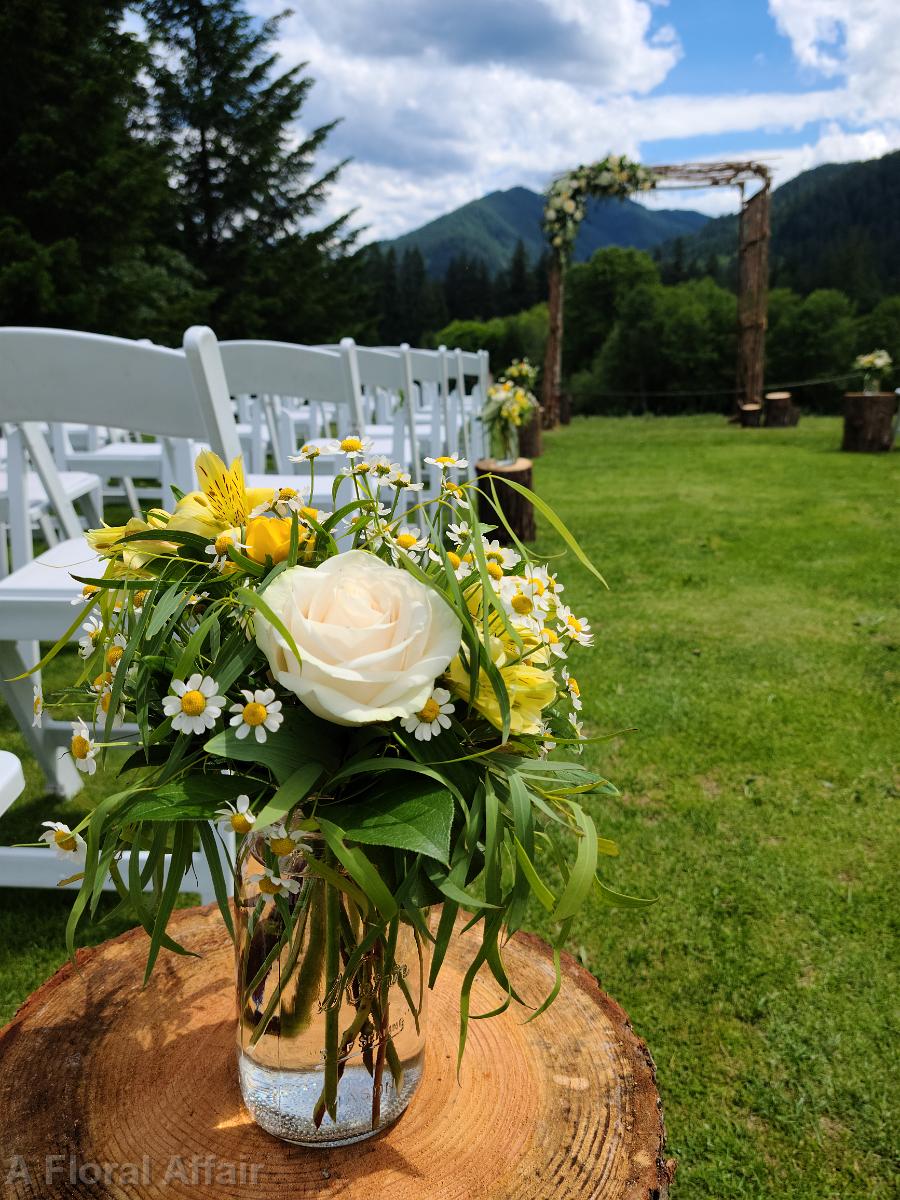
(751, 635)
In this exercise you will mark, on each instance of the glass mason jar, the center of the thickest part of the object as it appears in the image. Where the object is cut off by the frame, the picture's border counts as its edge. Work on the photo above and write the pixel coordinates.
(331, 1008)
(871, 383)
(504, 442)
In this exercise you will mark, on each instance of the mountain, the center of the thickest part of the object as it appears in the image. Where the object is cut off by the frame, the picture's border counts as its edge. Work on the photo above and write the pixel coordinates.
(835, 226)
(489, 228)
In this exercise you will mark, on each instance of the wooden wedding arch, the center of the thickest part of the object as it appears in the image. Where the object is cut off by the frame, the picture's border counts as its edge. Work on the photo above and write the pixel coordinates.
(619, 177)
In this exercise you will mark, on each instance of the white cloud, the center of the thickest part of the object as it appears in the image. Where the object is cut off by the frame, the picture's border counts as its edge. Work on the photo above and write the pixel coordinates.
(444, 102)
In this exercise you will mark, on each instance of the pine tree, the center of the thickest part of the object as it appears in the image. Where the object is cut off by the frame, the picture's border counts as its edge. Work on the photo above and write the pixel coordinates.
(84, 200)
(244, 184)
(519, 282)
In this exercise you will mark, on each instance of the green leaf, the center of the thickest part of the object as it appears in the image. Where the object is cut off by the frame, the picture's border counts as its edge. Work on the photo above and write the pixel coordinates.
(301, 738)
(540, 889)
(360, 868)
(618, 899)
(582, 873)
(550, 516)
(254, 600)
(407, 819)
(193, 797)
(295, 788)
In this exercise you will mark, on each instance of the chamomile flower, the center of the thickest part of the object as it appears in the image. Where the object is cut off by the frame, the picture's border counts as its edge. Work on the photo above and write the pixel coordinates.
(577, 628)
(114, 651)
(551, 640)
(357, 468)
(352, 447)
(459, 532)
(578, 727)
(264, 507)
(382, 468)
(139, 599)
(432, 718)
(82, 748)
(287, 500)
(402, 480)
(93, 629)
(195, 704)
(88, 592)
(448, 462)
(259, 712)
(63, 841)
(271, 884)
(103, 707)
(307, 453)
(410, 540)
(236, 817)
(502, 555)
(219, 549)
(572, 688)
(282, 842)
(37, 707)
(461, 568)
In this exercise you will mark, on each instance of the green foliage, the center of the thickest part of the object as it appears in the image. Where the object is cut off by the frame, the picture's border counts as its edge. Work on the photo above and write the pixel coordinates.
(594, 292)
(666, 340)
(523, 335)
(811, 337)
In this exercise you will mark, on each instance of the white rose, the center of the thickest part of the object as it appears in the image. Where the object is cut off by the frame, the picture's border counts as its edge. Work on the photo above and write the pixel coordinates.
(372, 639)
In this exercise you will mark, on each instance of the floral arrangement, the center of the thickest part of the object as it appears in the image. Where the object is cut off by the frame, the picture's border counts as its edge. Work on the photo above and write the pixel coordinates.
(385, 681)
(873, 365)
(568, 195)
(521, 372)
(509, 406)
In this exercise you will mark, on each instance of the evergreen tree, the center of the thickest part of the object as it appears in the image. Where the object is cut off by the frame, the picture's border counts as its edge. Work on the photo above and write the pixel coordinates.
(519, 290)
(84, 200)
(244, 185)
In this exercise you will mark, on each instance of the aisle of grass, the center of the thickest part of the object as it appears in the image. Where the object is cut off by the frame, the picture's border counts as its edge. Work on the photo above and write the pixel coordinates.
(752, 637)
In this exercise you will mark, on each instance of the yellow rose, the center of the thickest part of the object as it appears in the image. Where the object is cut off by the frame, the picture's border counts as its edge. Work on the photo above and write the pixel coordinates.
(269, 537)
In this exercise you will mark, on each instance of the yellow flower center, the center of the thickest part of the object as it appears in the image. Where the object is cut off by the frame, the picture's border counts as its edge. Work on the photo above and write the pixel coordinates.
(431, 711)
(454, 560)
(65, 840)
(38, 704)
(222, 542)
(445, 460)
(114, 655)
(193, 703)
(575, 624)
(281, 845)
(81, 747)
(573, 686)
(549, 636)
(351, 445)
(495, 570)
(254, 714)
(139, 599)
(538, 586)
(406, 541)
(89, 590)
(241, 823)
(102, 681)
(453, 488)
(287, 493)
(469, 558)
(104, 701)
(268, 886)
(494, 555)
(521, 604)
(95, 635)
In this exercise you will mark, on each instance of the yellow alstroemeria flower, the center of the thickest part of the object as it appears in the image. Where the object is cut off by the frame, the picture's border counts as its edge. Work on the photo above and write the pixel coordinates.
(108, 541)
(270, 538)
(530, 691)
(223, 502)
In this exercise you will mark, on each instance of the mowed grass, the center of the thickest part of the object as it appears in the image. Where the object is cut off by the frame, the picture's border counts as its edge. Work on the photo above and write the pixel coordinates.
(751, 637)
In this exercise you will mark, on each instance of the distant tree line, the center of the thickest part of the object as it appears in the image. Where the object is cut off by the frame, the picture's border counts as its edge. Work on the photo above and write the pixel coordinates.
(410, 304)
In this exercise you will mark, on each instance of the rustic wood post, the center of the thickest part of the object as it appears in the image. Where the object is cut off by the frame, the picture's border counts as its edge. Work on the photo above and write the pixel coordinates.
(869, 421)
(753, 285)
(552, 382)
(518, 511)
(97, 1071)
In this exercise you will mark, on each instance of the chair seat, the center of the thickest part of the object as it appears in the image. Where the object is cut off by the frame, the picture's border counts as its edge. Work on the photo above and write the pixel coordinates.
(12, 780)
(35, 600)
(75, 484)
(133, 459)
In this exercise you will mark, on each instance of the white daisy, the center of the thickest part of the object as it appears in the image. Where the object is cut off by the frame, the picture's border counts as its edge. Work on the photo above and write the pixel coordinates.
(115, 650)
(501, 555)
(403, 479)
(577, 628)
(410, 540)
(287, 500)
(307, 454)
(37, 707)
(218, 550)
(352, 446)
(103, 707)
(263, 508)
(432, 718)
(572, 687)
(237, 817)
(382, 468)
(282, 842)
(195, 705)
(63, 841)
(259, 712)
(88, 592)
(93, 628)
(459, 532)
(551, 640)
(82, 748)
(448, 461)
(271, 884)
(139, 599)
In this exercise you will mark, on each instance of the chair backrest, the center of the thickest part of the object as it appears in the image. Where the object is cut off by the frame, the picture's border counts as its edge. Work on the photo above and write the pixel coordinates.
(65, 375)
(389, 371)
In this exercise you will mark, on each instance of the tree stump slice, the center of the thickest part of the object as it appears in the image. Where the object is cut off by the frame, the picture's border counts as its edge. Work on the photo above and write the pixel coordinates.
(518, 511)
(749, 415)
(530, 436)
(780, 411)
(869, 421)
(97, 1070)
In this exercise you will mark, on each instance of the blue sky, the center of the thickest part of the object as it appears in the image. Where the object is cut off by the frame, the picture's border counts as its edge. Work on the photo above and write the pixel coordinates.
(445, 100)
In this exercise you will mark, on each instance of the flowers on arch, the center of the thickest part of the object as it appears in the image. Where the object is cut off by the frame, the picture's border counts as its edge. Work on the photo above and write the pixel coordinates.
(568, 195)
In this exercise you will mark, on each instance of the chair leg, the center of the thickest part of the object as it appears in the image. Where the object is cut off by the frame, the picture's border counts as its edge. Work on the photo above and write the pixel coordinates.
(59, 771)
(93, 506)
